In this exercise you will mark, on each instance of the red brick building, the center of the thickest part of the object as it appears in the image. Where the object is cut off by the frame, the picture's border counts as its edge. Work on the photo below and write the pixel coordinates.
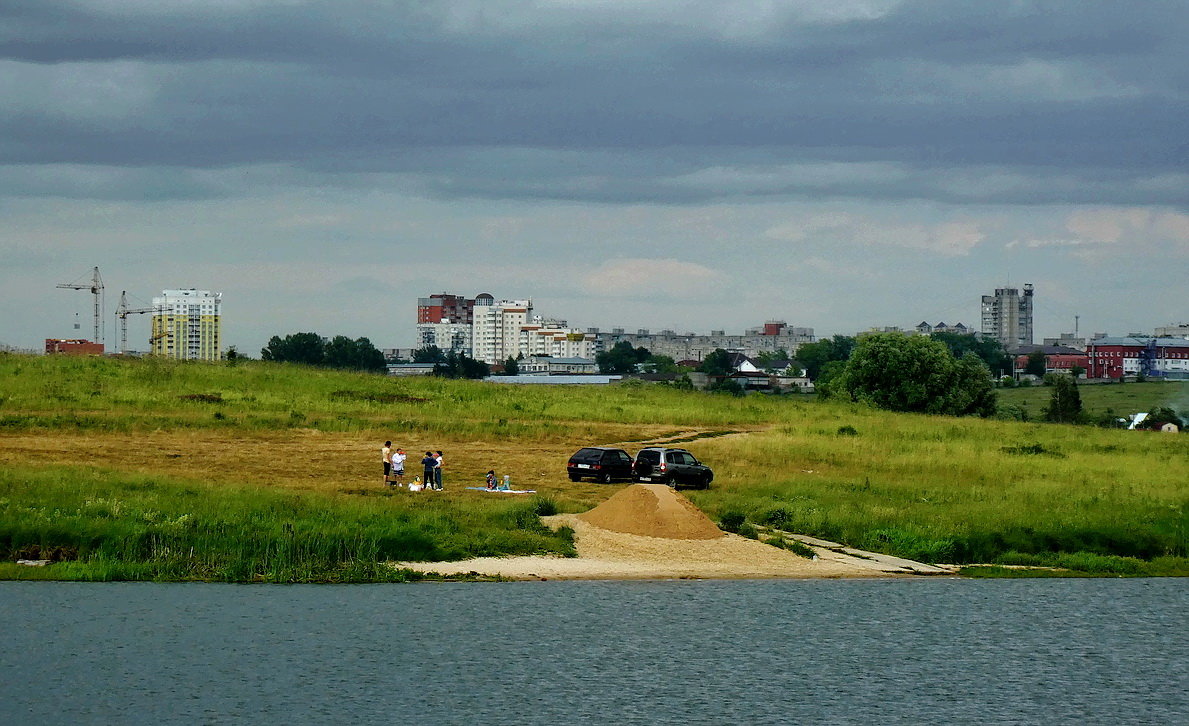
(446, 308)
(72, 347)
(1117, 357)
(1058, 362)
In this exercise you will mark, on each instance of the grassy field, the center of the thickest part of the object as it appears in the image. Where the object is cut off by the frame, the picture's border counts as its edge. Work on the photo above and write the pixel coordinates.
(1118, 400)
(147, 469)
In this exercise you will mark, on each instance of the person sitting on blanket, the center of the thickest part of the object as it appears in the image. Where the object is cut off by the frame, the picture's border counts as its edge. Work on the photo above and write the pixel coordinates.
(415, 485)
(491, 479)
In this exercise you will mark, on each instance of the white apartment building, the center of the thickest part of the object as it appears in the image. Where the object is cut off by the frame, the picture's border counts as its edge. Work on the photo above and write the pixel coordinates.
(189, 325)
(551, 338)
(495, 329)
(447, 336)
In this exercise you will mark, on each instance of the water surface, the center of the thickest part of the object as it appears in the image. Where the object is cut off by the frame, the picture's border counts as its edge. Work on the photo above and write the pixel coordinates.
(867, 651)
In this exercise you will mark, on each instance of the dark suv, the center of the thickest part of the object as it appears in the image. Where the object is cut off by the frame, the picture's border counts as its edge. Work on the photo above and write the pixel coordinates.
(675, 467)
(603, 463)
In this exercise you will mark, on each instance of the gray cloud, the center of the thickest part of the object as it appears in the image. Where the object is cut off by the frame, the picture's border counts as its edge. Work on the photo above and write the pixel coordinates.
(494, 99)
(506, 145)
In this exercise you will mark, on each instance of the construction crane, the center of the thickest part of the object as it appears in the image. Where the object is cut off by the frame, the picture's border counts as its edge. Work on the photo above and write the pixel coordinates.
(96, 288)
(122, 313)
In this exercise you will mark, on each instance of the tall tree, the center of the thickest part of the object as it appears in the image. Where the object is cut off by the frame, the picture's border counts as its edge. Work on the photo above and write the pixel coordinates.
(814, 356)
(988, 349)
(717, 363)
(429, 354)
(1037, 364)
(621, 359)
(1065, 403)
(902, 372)
(308, 348)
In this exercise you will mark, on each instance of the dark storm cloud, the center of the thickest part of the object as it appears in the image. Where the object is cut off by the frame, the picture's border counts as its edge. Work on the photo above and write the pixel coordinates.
(1066, 101)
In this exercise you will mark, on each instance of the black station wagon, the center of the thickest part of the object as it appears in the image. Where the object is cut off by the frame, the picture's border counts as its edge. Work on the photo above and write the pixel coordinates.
(601, 463)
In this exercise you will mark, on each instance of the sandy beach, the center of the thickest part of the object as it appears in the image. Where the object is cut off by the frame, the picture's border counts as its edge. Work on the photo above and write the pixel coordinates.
(649, 531)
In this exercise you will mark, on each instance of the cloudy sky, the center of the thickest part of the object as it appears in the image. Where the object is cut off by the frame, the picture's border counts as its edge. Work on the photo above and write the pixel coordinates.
(688, 164)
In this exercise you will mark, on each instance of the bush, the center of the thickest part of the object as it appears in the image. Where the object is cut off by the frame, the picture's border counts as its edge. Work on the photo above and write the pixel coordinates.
(748, 530)
(732, 521)
(778, 518)
(847, 430)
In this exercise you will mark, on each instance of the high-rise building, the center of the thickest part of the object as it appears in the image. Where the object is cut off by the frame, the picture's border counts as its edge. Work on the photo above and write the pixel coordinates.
(445, 308)
(496, 328)
(1007, 316)
(189, 325)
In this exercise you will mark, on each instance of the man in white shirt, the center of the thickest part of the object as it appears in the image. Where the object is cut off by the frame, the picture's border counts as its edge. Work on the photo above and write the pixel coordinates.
(398, 467)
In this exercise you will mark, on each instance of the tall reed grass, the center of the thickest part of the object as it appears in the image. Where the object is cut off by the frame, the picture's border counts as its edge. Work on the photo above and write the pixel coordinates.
(108, 525)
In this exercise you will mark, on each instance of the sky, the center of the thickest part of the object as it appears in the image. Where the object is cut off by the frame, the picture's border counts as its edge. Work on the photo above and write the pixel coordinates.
(691, 164)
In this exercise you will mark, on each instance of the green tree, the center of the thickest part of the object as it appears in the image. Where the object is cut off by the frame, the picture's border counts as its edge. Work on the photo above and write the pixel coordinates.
(902, 372)
(660, 364)
(717, 363)
(429, 354)
(1065, 403)
(766, 360)
(727, 385)
(1037, 365)
(308, 348)
(814, 356)
(621, 359)
(988, 349)
(1159, 416)
(460, 365)
(824, 386)
(511, 367)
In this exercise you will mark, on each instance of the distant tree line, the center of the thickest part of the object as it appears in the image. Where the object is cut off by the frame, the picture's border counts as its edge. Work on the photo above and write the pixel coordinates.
(315, 350)
(451, 364)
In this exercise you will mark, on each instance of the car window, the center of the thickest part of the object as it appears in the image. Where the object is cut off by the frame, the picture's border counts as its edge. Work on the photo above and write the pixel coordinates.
(680, 457)
(649, 456)
(623, 457)
(588, 454)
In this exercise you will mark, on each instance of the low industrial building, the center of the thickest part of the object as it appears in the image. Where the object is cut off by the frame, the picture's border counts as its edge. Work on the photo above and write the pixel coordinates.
(1166, 358)
(58, 346)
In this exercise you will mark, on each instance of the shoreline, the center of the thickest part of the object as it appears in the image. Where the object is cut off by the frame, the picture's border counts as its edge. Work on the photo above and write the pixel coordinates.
(607, 555)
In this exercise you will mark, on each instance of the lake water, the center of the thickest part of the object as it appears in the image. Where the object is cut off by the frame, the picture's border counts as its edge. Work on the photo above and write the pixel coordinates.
(812, 652)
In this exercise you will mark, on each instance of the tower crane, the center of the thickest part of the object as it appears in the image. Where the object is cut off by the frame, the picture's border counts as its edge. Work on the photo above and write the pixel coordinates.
(96, 288)
(122, 313)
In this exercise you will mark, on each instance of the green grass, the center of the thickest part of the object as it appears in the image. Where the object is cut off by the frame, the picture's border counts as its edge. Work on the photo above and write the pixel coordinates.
(1086, 500)
(105, 525)
(1117, 400)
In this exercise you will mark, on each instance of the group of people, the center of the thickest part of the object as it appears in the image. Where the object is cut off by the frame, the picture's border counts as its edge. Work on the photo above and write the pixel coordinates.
(394, 469)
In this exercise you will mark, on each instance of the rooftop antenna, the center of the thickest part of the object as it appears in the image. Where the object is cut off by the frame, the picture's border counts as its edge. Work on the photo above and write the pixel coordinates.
(96, 288)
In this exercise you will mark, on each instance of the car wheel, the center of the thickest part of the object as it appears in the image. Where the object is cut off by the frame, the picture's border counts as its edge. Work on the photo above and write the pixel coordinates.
(574, 478)
(671, 483)
(706, 481)
(605, 478)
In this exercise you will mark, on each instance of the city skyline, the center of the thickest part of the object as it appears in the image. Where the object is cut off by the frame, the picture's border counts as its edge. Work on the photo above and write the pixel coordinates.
(690, 166)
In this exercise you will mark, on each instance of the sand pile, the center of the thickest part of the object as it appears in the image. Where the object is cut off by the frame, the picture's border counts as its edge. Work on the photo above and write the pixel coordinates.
(652, 510)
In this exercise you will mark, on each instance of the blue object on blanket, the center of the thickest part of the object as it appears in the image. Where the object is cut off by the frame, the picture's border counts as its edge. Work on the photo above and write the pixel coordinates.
(503, 491)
